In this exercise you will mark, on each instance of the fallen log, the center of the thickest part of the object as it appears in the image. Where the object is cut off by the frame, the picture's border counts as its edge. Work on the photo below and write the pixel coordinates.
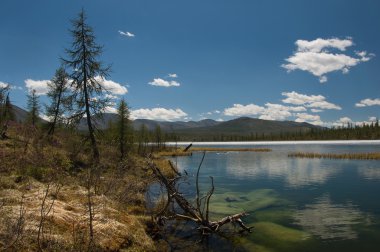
(199, 213)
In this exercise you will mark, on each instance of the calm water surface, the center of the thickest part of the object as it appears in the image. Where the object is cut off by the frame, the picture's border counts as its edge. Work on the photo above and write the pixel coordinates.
(294, 204)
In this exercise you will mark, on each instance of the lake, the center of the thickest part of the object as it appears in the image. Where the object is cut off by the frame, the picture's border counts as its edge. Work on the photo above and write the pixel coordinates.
(294, 204)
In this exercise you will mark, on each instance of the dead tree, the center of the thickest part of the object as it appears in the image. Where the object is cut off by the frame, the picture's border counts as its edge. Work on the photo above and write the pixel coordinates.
(199, 213)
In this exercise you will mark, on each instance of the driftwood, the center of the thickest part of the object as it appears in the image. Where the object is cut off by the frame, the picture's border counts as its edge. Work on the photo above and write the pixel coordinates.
(188, 147)
(199, 213)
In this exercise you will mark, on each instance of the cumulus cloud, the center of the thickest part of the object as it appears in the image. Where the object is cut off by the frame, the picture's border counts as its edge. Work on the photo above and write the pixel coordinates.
(346, 121)
(323, 105)
(164, 83)
(316, 110)
(269, 112)
(173, 75)
(41, 86)
(127, 34)
(314, 57)
(110, 109)
(243, 110)
(111, 86)
(3, 84)
(368, 102)
(310, 101)
(313, 119)
(161, 114)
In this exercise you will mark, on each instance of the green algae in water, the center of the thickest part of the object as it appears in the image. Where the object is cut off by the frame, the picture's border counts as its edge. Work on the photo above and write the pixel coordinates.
(234, 202)
(278, 237)
(279, 215)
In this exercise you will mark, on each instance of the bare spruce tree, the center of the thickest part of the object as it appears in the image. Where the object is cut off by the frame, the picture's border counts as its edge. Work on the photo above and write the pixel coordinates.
(33, 107)
(123, 126)
(86, 73)
(57, 93)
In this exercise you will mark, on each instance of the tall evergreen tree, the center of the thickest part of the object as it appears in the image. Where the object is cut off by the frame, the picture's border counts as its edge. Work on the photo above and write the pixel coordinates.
(86, 72)
(58, 95)
(33, 107)
(123, 126)
(6, 111)
(3, 95)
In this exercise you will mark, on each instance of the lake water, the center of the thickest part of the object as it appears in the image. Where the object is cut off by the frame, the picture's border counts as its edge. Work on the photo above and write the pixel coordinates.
(294, 204)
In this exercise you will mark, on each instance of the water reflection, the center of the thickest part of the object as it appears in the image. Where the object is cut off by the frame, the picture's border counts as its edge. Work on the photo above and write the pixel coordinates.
(296, 172)
(369, 172)
(331, 221)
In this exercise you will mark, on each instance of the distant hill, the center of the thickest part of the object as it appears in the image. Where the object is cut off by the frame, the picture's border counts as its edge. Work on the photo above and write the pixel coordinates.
(246, 126)
(204, 129)
(20, 114)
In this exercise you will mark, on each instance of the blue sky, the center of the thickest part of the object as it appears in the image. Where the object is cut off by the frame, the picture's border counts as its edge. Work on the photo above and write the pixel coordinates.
(314, 61)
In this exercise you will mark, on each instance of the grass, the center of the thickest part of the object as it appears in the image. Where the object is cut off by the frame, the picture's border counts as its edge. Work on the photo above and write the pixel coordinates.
(358, 156)
(28, 163)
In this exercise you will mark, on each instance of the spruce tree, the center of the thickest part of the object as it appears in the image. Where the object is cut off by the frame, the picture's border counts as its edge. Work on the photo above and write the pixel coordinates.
(3, 95)
(58, 95)
(33, 107)
(86, 73)
(123, 126)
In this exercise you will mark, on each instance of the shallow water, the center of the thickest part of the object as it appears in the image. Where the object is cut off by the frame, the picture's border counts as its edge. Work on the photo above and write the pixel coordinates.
(295, 204)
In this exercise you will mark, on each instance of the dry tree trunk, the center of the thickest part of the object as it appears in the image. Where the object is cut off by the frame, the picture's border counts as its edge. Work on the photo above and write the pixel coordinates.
(198, 213)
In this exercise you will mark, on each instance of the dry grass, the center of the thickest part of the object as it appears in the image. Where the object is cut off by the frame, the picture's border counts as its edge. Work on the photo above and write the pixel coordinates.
(68, 221)
(119, 205)
(359, 156)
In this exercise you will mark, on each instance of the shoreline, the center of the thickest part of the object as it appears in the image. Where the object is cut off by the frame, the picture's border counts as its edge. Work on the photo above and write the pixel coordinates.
(303, 142)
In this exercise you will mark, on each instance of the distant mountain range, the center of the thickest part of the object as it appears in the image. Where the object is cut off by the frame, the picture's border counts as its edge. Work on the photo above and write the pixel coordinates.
(207, 129)
(240, 126)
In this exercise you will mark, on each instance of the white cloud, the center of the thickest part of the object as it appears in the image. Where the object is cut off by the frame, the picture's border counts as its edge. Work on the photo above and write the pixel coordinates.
(220, 120)
(173, 75)
(269, 112)
(319, 44)
(301, 99)
(161, 114)
(41, 86)
(110, 109)
(111, 97)
(279, 112)
(323, 105)
(314, 57)
(310, 101)
(345, 120)
(372, 118)
(368, 102)
(127, 34)
(243, 110)
(111, 86)
(164, 83)
(313, 119)
(3, 84)
(316, 110)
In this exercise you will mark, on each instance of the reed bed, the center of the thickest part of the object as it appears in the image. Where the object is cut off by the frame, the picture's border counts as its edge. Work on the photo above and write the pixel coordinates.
(174, 153)
(359, 156)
